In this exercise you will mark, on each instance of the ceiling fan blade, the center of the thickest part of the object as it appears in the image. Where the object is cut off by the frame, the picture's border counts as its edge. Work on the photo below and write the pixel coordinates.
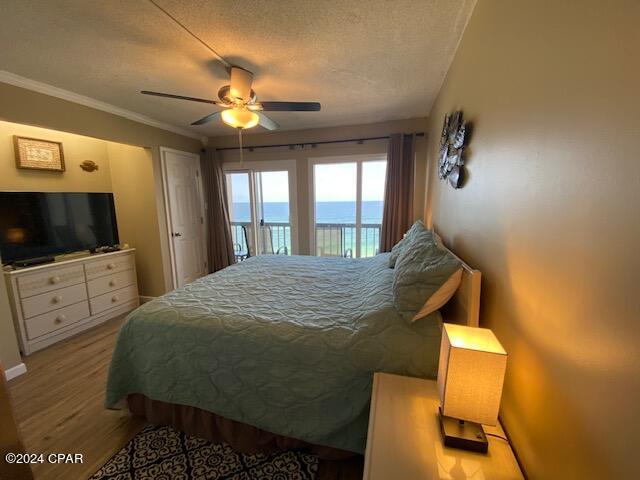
(181, 97)
(266, 122)
(241, 81)
(290, 106)
(207, 119)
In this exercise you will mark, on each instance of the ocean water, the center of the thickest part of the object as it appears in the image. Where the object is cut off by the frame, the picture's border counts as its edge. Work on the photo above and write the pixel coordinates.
(326, 212)
(330, 240)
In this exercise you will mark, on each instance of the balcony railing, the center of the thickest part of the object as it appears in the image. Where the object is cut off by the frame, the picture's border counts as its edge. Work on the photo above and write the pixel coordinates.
(340, 240)
(332, 239)
(273, 238)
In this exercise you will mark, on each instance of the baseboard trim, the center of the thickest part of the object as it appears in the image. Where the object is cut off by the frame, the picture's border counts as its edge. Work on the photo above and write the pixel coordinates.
(145, 299)
(16, 371)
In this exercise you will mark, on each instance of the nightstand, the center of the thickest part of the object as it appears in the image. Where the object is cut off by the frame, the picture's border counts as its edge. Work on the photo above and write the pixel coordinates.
(404, 440)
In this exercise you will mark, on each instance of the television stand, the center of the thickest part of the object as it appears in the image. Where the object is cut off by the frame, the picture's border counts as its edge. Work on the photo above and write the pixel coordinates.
(55, 301)
(30, 262)
(109, 249)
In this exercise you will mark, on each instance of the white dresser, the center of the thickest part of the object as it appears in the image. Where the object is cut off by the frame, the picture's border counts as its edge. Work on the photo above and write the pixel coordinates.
(57, 300)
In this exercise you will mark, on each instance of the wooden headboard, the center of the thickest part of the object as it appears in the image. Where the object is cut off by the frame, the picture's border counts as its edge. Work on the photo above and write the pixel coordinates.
(464, 307)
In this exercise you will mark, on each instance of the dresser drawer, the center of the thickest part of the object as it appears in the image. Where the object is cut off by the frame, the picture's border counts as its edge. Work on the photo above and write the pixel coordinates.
(111, 282)
(111, 264)
(50, 279)
(51, 321)
(113, 299)
(53, 300)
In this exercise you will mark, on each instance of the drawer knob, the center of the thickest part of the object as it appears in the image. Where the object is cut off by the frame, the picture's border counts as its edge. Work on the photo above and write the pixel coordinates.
(112, 283)
(56, 299)
(114, 298)
(111, 266)
(59, 319)
(55, 279)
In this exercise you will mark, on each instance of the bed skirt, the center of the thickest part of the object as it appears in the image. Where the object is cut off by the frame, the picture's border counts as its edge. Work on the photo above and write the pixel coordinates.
(217, 429)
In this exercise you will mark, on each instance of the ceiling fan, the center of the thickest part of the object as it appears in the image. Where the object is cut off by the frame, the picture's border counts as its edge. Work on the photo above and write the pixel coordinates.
(241, 108)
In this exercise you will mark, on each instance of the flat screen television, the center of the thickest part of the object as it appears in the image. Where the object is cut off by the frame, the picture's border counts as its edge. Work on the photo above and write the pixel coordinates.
(37, 224)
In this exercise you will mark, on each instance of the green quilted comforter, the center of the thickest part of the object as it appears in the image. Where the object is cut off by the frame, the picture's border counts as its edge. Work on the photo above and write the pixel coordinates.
(286, 344)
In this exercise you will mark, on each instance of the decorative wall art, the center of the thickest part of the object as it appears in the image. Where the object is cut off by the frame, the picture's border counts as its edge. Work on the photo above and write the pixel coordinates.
(89, 166)
(35, 154)
(452, 143)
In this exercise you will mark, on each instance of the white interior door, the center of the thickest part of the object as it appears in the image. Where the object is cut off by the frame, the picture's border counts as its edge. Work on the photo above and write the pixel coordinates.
(185, 215)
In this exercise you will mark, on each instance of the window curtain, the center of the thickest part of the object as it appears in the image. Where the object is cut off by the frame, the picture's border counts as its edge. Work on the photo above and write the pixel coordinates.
(397, 215)
(218, 224)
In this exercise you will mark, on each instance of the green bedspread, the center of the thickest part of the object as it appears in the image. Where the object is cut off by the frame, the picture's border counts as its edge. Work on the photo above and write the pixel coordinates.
(286, 344)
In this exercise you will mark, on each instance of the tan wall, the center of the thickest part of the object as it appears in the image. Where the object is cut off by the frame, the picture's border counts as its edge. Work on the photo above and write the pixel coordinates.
(76, 149)
(10, 441)
(134, 194)
(551, 216)
(9, 352)
(125, 170)
(31, 108)
(324, 134)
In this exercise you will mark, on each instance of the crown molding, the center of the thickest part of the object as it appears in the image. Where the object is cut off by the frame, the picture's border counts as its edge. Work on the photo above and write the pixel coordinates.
(27, 83)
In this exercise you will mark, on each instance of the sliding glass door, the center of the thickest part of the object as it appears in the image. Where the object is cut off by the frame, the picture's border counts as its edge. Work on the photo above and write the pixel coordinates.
(373, 179)
(262, 209)
(335, 209)
(348, 196)
(240, 213)
(273, 212)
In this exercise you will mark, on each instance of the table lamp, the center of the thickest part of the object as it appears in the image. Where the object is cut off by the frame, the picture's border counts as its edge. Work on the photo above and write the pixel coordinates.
(470, 378)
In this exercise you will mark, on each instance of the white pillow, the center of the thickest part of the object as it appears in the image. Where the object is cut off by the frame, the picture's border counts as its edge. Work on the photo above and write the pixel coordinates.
(442, 295)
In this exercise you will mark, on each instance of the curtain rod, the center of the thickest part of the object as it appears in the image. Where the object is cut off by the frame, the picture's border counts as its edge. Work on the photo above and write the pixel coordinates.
(313, 144)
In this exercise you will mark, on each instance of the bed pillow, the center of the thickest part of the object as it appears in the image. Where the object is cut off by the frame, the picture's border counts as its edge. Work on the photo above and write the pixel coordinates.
(422, 268)
(417, 228)
(442, 295)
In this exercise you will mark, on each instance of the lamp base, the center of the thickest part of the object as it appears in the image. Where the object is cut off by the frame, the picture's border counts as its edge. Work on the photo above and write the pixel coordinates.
(462, 434)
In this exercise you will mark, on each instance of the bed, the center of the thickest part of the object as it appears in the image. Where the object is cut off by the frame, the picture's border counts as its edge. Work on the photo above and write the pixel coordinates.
(276, 352)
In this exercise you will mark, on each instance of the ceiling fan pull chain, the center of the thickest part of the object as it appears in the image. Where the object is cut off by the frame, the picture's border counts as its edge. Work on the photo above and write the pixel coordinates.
(240, 142)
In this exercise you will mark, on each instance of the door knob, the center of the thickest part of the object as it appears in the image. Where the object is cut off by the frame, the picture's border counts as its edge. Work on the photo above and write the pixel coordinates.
(176, 234)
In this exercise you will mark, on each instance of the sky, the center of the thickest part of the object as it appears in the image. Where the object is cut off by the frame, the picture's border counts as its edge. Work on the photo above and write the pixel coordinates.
(275, 186)
(334, 182)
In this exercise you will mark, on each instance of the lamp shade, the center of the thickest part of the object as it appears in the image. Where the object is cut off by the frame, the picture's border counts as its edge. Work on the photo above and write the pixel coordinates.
(239, 118)
(471, 374)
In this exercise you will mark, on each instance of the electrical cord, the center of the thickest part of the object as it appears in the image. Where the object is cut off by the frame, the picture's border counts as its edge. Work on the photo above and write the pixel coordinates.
(207, 46)
(497, 436)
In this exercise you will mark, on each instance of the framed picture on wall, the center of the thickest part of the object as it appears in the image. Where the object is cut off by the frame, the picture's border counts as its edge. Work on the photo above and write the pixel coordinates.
(35, 154)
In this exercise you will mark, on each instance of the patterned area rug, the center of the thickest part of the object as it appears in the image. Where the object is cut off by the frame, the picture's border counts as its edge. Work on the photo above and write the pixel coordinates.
(162, 453)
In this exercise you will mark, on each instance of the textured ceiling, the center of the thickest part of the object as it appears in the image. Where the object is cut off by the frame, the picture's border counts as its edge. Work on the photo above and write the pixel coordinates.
(364, 60)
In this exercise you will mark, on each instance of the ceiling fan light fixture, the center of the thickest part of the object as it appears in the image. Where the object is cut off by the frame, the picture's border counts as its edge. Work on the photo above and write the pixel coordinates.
(239, 118)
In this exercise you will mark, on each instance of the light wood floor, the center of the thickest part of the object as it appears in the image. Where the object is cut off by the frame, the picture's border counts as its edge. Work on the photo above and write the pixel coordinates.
(59, 408)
